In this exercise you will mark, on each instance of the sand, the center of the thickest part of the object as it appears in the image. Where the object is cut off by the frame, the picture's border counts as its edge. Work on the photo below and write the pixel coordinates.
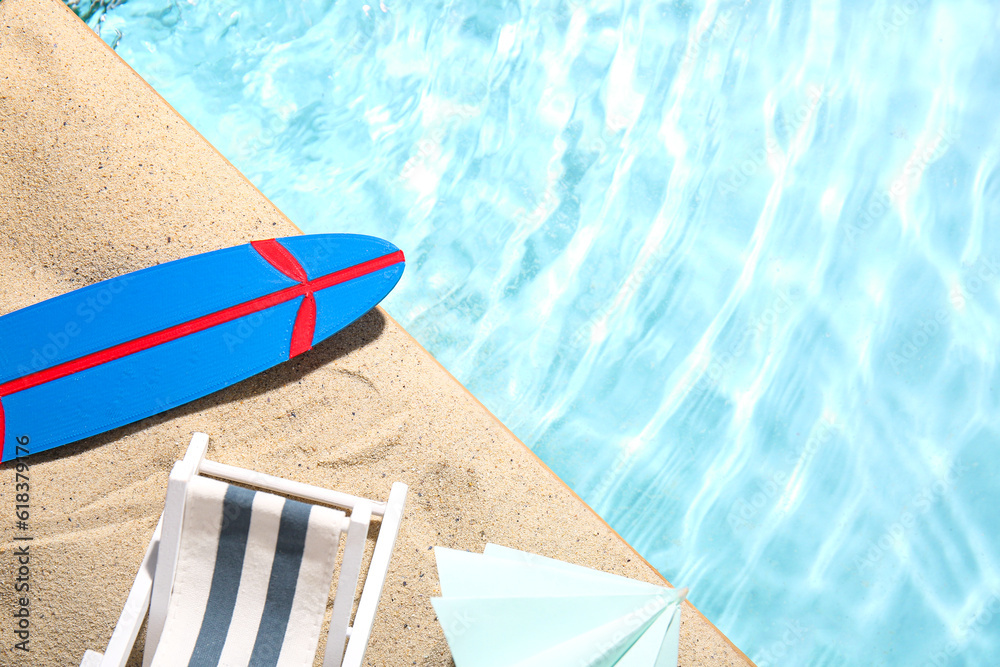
(98, 177)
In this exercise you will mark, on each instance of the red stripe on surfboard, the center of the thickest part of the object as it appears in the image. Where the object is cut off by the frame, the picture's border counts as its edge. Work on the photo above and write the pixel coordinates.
(305, 327)
(3, 432)
(278, 256)
(199, 324)
(358, 270)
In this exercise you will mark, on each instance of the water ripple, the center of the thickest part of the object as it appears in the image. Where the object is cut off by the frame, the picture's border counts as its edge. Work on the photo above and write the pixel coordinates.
(730, 268)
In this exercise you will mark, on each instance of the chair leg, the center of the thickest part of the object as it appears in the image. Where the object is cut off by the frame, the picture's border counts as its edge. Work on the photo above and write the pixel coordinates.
(347, 584)
(375, 580)
(127, 628)
(166, 563)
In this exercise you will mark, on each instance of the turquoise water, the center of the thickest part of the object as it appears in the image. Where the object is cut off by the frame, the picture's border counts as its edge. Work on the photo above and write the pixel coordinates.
(731, 269)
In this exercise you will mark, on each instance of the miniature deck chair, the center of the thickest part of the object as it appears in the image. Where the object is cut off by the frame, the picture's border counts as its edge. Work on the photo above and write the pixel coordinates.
(238, 577)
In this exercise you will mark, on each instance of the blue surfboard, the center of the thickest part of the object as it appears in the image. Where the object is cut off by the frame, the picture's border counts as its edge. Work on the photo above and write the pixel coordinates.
(127, 348)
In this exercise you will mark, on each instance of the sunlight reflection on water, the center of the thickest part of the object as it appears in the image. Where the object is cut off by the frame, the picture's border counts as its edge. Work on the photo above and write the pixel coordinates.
(730, 269)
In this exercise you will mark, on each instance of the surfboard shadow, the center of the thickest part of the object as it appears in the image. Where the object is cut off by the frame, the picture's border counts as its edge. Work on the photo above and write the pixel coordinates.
(360, 333)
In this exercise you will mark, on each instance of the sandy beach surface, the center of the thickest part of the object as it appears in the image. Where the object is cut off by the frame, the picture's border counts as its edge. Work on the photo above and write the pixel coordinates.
(99, 177)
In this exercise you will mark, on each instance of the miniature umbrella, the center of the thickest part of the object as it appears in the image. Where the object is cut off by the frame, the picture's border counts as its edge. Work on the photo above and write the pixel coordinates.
(509, 607)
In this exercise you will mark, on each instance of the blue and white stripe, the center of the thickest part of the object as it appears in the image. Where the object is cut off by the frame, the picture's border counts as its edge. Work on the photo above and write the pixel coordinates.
(252, 579)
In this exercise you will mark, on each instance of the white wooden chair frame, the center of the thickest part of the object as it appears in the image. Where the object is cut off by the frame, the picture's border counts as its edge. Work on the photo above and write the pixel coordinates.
(153, 583)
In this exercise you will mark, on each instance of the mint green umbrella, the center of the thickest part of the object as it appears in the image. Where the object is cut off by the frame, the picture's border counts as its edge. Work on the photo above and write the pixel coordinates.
(507, 607)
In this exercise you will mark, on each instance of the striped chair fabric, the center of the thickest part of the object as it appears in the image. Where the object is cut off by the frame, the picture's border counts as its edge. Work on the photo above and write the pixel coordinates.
(252, 579)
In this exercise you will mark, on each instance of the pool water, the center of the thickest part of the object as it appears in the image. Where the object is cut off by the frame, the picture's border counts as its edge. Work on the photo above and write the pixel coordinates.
(732, 269)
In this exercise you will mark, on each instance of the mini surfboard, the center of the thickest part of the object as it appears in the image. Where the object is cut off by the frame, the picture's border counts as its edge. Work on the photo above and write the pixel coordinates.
(124, 349)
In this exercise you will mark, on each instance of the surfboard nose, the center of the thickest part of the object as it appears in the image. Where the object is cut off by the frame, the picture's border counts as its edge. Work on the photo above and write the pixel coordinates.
(347, 274)
(324, 254)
